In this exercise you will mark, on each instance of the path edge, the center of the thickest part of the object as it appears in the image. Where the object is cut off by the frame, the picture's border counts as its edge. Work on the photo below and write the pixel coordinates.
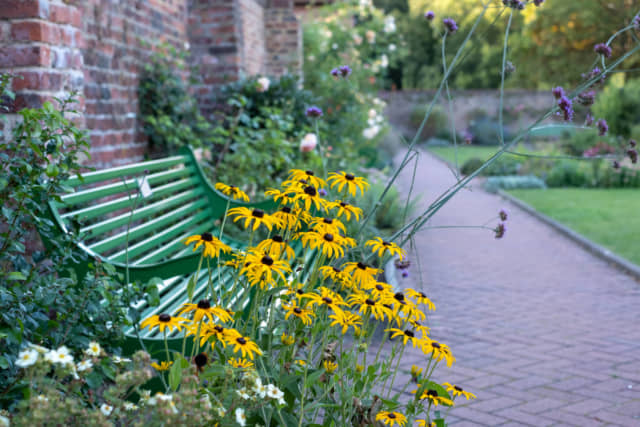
(594, 248)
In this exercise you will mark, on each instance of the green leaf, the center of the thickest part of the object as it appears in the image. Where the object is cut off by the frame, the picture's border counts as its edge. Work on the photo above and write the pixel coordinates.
(175, 375)
(191, 286)
(313, 378)
(4, 363)
(16, 275)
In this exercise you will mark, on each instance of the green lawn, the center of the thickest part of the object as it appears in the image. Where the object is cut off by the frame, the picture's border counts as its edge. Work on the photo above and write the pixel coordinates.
(607, 217)
(465, 152)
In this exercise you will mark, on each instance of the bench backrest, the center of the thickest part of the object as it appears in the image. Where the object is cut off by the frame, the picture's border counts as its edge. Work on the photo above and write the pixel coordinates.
(118, 221)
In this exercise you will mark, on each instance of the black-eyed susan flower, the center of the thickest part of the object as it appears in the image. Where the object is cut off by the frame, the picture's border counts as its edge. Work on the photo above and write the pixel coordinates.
(309, 197)
(369, 305)
(212, 245)
(232, 191)
(420, 298)
(345, 209)
(291, 218)
(419, 327)
(277, 248)
(380, 247)
(391, 418)
(204, 309)
(253, 217)
(245, 345)
(457, 391)
(353, 183)
(326, 297)
(327, 225)
(379, 289)
(308, 176)
(407, 335)
(337, 275)
(282, 197)
(435, 399)
(287, 339)
(415, 371)
(362, 274)
(344, 319)
(220, 333)
(329, 366)
(292, 309)
(296, 289)
(331, 245)
(425, 423)
(163, 321)
(438, 350)
(162, 366)
(240, 363)
(263, 270)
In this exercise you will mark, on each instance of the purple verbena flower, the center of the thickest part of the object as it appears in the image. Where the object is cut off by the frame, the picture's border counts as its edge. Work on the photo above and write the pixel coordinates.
(587, 98)
(503, 215)
(632, 143)
(345, 71)
(405, 274)
(450, 25)
(429, 15)
(335, 72)
(589, 120)
(603, 127)
(538, 2)
(558, 92)
(500, 230)
(603, 50)
(314, 112)
(322, 192)
(516, 4)
(616, 164)
(633, 155)
(566, 106)
(636, 22)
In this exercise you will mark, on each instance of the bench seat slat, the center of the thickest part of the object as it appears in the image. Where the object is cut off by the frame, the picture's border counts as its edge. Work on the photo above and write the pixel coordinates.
(170, 248)
(143, 213)
(136, 168)
(128, 202)
(157, 239)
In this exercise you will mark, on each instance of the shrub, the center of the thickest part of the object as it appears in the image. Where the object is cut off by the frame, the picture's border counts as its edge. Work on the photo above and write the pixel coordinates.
(486, 131)
(437, 125)
(569, 174)
(581, 142)
(496, 183)
(620, 106)
(471, 165)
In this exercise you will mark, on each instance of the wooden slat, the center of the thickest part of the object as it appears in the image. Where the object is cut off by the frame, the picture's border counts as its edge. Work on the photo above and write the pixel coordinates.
(148, 227)
(171, 247)
(158, 238)
(136, 168)
(89, 194)
(142, 213)
(128, 202)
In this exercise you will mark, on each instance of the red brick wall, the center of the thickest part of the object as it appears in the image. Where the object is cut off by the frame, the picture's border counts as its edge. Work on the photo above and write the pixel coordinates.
(283, 38)
(253, 40)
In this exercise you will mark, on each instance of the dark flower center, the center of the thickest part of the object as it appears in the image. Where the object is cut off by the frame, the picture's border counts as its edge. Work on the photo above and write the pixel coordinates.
(277, 239)
(267, 260)
(422, 295)
(435, 345)
(297, 310)
(409, 333)
(399, 296)
(204, 304)
(233, 187)
(327, 300)
(349, 177)
(391, 415)
(336, 270)
(310, 173)
(200, 360)
(328, 237)
(241, 341)
(257, 213)
(432, 393)
(328, 221)
(219, 329)
(379, 287)
(344, 204)
(370, 302)
(247, 264)
(310, 191)
(458, 388)
(362, 266)
(385, 243)
(286, 210)
(300, 292)
(207, 237)
(165, 318)
(303, 181)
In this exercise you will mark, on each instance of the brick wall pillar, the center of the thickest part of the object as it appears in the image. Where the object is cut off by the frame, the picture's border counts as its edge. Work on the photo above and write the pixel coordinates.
(283, 38)
(40, 41)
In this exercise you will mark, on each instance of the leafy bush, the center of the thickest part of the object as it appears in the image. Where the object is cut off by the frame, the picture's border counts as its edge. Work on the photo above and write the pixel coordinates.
(437, 125)
(471, 165)
(620, 106)
(625, 177)
(505, 165)
(170, 115)
(495, 183)
(486, 131)
(580, 142)
(569, 174)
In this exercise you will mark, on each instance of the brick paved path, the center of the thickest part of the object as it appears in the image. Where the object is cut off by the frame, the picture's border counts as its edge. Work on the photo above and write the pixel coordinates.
(544, 333)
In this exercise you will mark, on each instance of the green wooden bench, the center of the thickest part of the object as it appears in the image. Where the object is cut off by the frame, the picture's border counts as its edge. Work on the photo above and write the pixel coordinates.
(181, 202)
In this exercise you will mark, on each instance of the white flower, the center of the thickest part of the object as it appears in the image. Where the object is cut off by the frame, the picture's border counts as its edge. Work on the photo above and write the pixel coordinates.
(221, 411)
(371, 132)
(61, 355)
(390, 24)
(243, 393)
(84, 365)
(118, 359)
(241, 418)
(311, 58)
(42, 398)
(164, 397)
(263, 84)
(27, 358)
(259, 388)
(357, 39)
(4, 421)
(274, 392)
(308, 143)
(371, 36)
(206, 402)
(281, 401)
(334, 46)
(94, 349)
(128, 406)
(384, 61)
(392, 47)
(39, 348)
(106, 409)
(365, 4)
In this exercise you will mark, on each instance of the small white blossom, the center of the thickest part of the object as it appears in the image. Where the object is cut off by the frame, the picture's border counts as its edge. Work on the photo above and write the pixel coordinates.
(118, 359)
(263, 84)
(389, 24)
(27, 358)
(274, 392)
(61, 356)
(384, 61)
(4, 421)
(94, 349)
(371, 36)
(84, 365)
(42, 398)
(106, 409)
(392, 47)
(371, 132)
(39, 348)
(221, 411)
(308, 143)
(241, 418)
(128, 406)
(243, 394)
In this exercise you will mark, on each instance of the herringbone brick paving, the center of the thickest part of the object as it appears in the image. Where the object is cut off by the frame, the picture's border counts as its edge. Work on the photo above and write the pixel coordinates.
(544, 333)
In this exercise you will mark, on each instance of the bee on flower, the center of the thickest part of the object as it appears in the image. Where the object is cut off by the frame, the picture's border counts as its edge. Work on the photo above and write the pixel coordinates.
(349, 181)
(232, 191)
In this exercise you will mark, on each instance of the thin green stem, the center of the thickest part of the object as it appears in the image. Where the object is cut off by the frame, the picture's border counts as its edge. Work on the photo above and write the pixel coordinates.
(502, 76)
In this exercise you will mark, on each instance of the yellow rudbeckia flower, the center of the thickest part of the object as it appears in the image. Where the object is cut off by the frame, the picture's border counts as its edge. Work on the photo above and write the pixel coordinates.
(353, 183)
(212, 245)
(234, 192)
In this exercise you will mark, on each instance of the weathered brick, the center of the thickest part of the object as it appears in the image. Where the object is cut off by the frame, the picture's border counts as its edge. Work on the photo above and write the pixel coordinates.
(13, 9)
(22, 56)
